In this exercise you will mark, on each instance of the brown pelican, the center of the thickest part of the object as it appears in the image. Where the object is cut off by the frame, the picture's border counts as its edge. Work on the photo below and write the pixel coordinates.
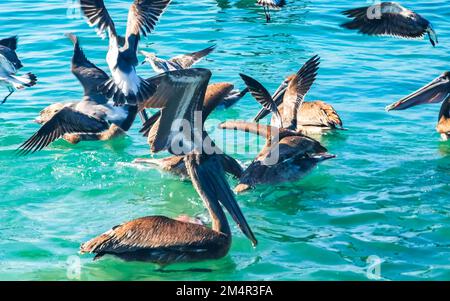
(9, 65)
(288, 155)
(163, 240)
(390, 19)
(268, 4)
(179, 62)
(436, 91)
(215, 95)
(125, 84)
(92, 118)
(315, 117)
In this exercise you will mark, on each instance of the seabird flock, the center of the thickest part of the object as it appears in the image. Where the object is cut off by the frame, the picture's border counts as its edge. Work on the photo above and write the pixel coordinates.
(111, 102)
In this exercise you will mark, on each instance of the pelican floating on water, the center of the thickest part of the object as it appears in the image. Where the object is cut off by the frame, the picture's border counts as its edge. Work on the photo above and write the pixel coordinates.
(178, 62)
(390, 19)
(122, 60)
(315, 117)
(435, 92)
(9, 65)
(268, 4)
(163, 240)
(92, 118)
(288, 155)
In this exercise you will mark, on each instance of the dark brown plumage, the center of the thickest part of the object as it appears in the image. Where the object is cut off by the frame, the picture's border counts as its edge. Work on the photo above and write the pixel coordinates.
(163, 240)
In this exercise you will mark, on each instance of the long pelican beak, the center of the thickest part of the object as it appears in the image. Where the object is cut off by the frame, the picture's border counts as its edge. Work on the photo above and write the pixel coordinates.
(235, 211)
(209, 180)
(434, 92)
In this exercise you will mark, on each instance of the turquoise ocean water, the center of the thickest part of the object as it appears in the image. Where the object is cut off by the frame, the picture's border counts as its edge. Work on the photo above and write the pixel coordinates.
(385, 196)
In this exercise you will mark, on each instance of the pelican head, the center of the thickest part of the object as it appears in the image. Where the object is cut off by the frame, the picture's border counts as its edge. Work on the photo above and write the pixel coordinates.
(149, 56)
(434, 92)
(48, 113)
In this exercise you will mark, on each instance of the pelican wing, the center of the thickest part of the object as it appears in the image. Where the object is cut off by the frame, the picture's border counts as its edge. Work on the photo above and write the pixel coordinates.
(179, 93)
(97, 15)
(89, 75)
(297, 89)
(215, 93)
(187, 60)
(277, 98)
(65, 121)
(388, 18)
(261, 95)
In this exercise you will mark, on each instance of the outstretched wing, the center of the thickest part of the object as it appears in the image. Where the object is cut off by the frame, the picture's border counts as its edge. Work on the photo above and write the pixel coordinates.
(65, 121)
(180, 94)
(388, 18)
(97, 15)
(261, 95)
(187, 60)
(143, 15)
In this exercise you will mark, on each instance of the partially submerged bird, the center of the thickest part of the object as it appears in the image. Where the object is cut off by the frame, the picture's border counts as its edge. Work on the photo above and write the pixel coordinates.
(125, 85)
(268, 4)
(435, 92)
(288, 155)
(214, 95)
(390, 19)
(9, 65)
(179, 62)
(161, 239)
(92, 118)
(314, 117)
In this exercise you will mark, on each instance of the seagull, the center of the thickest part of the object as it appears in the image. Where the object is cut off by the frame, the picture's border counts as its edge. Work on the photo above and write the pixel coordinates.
(390, 19)
(313, 117)
(125, 85)
(268, 4)
(9, 65)
(179, 62)
(435, 92)
(92, 118)
(164, 240)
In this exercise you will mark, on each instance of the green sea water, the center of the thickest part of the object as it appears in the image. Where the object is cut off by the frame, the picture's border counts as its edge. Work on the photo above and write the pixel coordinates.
(385, 197)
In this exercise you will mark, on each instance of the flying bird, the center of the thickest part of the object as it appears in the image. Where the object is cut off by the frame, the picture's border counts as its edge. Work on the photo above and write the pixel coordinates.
(92, 118)
(435, 92)
(161, 239)
(268, 4)
(390, 19)
(313, 117)
(9, 65)
(125, 85)
(179, 62)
